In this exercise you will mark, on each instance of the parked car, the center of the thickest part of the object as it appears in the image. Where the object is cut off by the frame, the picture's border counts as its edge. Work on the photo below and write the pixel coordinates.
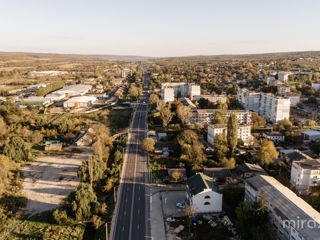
(180, 205)
(170, 219)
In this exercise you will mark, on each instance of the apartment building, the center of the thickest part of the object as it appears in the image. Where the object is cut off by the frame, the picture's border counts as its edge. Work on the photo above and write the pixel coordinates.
(294, 97)
(316, 86)
(243, 132)
(187, 102)
(212, 98)
(283, 76)
(169, 91)
(273, 108)
(305, 174)
(200, 116)
(292, 217)
(283, 89)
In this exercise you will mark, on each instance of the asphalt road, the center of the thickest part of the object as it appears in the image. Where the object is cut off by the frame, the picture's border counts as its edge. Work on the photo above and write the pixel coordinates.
(132, 211)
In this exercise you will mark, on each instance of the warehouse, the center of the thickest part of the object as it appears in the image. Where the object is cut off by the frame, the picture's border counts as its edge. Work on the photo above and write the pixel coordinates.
(74, 90)
(79, 102)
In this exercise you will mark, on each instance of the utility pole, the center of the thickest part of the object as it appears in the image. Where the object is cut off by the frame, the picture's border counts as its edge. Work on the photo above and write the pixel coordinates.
(107, 237)
(114, 194)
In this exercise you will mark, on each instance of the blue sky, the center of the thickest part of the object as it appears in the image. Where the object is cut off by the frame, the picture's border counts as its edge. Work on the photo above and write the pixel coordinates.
(159, 27)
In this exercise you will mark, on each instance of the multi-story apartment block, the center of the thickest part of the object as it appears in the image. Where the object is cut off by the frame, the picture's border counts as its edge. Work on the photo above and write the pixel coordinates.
(283, 89)
(305, 174)
(212, 98)
(316, 86)
(283, 76)
(243, 132)
(187, 102)
(292, 217)
(273, 108)
(200, 116)
(294, 98)
(169, 91)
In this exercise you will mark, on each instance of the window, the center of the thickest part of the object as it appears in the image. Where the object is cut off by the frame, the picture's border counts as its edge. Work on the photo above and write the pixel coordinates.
(206, 203)
(207, 197)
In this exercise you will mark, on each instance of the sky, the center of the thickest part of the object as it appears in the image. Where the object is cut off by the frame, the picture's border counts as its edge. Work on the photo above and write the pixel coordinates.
(159, 28)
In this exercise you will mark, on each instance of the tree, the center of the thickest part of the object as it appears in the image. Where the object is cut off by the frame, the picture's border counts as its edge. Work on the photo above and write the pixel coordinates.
(232, 134)
(284, 126)
(17, 150)
(191, 149)
(148, 144)
(311, 123)
(244, 217)
(92, 169)
(184, 114)
(84, 202)
(160, 105)
(190, 211)
(220, 146)
(166, 116)
(267, 153)
(257, 120)
(154, 99)
(176, 176)
(133, 91)
(228, 163)
(219, 117)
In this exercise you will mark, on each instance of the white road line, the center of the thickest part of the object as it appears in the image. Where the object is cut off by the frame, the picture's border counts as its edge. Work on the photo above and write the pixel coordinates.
(134, 180)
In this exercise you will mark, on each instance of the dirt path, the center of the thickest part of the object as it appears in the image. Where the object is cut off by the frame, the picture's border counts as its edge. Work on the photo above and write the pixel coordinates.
(48, 180)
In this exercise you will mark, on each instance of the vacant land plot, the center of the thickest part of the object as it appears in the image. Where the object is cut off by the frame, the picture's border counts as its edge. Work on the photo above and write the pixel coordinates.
(48, 180)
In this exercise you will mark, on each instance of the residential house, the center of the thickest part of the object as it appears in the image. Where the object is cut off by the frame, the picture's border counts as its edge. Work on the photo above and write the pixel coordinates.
(218, 174)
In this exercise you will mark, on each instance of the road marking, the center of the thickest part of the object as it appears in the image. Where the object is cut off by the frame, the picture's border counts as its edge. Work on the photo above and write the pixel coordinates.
(134, 185)
(138, 211)
(138, 226)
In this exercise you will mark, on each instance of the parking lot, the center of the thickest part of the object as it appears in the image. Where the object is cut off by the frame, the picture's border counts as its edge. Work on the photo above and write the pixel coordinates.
(169, 199)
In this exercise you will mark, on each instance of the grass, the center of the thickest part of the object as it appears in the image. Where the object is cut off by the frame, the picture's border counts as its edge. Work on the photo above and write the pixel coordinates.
(119, 119)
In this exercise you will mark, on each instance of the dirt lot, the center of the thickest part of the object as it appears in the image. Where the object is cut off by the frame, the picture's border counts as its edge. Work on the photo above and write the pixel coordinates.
(48, 180)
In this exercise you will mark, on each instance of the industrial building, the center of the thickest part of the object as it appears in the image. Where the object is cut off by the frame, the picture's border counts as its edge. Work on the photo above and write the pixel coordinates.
(79, 102)
(74, 90)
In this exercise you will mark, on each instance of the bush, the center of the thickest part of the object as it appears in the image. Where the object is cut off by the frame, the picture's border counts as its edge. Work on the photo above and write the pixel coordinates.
(60, 216)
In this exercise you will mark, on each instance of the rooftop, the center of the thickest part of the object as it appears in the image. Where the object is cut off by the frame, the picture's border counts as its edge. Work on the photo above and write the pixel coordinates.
(309, 164)
(287, 203)
(199, 182)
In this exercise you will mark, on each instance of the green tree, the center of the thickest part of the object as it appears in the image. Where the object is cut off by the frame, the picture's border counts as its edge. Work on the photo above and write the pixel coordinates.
(311, 123)
(154, 99)
(148, 144)
(228, 163)
(267, 152)
(220, 146)
(92, 169)
(219, 117)
(60, 216)
(84, 202)
(17, 150)
(232, 134)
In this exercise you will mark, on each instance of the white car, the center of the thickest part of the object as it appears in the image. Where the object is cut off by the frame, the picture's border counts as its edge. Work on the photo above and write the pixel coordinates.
(170, 219)
(180, 205)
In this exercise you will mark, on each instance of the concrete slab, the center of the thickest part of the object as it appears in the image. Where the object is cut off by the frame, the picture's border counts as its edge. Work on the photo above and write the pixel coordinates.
(157, 224)
(169, 200)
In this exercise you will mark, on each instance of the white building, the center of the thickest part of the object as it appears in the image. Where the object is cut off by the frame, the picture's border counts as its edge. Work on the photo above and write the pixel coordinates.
(200, 116)
(273, 108)
(169, 91)
(204, 194)
(294, 98)
(212, 98)
(46, 73)
(56, 96)
(283, 89)
(36, 86)
(283, 76)
(79, 102)
(293, 218)
(243, 132)
(316, 86)
(274, 136)
(74, 90)
(305, 174)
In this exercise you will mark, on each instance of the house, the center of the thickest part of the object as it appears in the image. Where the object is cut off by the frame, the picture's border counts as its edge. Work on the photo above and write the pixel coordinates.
(203, 193)
(247, 170)
(218, 174)
(53, 145)
(79, 102)
(290, 215)
(83, 140)
(274, 136)
(311, 135)
(243, 132)
(305, 174)
(162, 136)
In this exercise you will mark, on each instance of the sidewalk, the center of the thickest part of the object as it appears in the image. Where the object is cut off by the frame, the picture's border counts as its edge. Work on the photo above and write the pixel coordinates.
(156, 217)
